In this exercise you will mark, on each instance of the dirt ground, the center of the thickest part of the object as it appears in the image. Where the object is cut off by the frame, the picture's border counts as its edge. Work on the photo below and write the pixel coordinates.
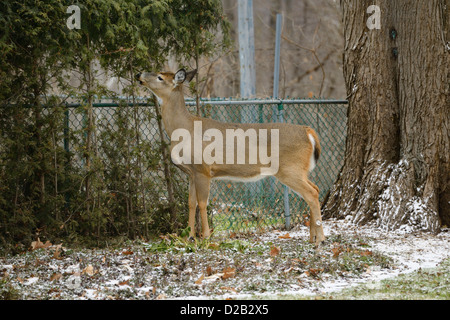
(271, 265)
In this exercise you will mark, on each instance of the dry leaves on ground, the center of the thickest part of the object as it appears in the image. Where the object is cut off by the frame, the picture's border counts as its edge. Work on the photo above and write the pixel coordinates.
(274, 251)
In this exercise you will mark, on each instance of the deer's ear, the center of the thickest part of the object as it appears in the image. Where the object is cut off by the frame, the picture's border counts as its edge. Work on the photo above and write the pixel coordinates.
(180, 76)
(190, 75)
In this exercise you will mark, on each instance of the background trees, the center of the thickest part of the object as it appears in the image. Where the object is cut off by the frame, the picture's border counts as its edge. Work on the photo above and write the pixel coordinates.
(46, 65)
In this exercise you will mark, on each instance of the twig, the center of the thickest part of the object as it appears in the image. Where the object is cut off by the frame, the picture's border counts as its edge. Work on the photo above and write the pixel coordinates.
(313, 51)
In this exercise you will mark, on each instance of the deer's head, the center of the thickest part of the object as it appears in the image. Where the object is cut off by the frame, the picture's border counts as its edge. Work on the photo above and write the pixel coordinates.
(164, 83)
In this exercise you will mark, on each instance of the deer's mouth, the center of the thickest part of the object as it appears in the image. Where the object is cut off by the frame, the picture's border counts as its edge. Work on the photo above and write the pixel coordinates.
(138, 78)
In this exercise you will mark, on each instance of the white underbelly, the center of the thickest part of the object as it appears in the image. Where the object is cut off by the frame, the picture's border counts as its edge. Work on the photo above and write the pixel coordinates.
(240, 179)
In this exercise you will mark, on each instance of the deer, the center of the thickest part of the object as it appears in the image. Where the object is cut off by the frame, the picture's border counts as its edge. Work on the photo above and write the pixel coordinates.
(294, 150)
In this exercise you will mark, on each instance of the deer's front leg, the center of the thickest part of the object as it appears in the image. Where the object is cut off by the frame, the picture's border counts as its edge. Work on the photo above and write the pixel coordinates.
(202, 185)
(192, 207)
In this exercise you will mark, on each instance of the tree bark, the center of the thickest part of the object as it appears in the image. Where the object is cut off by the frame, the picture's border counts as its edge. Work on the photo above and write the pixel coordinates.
(396, 170)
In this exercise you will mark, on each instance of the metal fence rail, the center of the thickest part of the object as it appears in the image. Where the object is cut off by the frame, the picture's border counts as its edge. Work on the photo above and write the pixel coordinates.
(237, 206)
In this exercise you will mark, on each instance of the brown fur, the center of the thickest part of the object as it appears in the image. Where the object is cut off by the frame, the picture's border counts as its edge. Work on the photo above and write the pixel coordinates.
(295, 152)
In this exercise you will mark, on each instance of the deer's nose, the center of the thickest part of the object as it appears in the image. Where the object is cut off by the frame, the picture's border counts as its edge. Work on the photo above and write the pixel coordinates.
(138, 76)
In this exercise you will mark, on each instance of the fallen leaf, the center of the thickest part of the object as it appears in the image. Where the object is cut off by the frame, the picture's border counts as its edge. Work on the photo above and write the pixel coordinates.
(288, 270)
(164, 237)
(56, 254)
(274, 251)
(229, 289)
(215, 276)
(39, 262)
(228, 273)
(286, 236)
(213, 246)
(124, 283)
(315, 272)
(162, 296)
(209, 271)
(365, 253)
(54, 290)
(336, 251)
(127, 252)
(38, 244)
(89, 270)
(55, 276)
(47, 244)
(200, 280)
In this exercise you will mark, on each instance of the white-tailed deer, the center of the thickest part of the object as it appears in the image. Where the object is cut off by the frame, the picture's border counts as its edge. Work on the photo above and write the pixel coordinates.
(294, 150)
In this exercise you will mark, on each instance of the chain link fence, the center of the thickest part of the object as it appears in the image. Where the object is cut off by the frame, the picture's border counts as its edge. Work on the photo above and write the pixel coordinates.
(233, 206)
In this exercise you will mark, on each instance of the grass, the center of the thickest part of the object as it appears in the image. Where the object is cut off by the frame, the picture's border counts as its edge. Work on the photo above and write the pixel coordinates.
(175, 266)
(7, 291)
(283, 262)
(256, 216)
(251, 221)
(424, 284)
(182, 244)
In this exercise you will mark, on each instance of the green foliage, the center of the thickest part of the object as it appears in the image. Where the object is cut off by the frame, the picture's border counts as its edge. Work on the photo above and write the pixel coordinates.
(7, 291)
(196, 24)
(183, 243)
(103, 179)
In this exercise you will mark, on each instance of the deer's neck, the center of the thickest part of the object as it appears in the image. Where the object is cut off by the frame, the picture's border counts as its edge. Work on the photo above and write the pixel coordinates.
(174, 113)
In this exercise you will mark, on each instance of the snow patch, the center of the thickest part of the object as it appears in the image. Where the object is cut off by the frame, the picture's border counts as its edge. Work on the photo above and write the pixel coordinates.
(138, 274)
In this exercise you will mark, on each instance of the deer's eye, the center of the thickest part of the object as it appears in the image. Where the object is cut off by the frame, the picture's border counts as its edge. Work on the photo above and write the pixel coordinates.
(160, 79)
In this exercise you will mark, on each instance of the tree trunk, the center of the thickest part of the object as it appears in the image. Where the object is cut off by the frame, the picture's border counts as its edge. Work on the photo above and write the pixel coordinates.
(396, 170)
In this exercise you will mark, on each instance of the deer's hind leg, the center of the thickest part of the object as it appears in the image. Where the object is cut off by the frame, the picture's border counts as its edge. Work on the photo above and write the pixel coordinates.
(310, 193)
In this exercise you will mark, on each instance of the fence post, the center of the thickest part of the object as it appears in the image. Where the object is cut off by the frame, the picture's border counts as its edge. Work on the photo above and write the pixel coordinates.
(67, 150)
(287, 211)
(246, 48)
(276, 77)
(66, 128)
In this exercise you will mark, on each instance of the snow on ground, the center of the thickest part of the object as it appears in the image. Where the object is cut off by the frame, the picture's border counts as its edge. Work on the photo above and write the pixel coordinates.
(247, 268)
(411, 251)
